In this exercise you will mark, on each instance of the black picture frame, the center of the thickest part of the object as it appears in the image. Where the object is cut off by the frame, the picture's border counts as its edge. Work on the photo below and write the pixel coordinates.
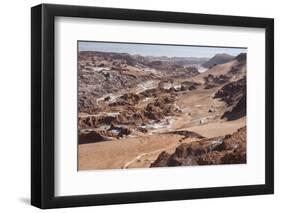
(43, 117)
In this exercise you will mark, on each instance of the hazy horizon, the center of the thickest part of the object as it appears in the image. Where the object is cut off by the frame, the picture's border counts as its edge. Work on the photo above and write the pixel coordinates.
(158, 49)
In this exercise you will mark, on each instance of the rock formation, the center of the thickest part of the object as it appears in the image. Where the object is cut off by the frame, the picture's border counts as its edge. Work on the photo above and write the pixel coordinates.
(230, 149)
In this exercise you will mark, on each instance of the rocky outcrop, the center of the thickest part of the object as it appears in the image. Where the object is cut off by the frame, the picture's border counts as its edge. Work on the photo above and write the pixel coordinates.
(94, 136)
(187, 154)
(90, 137)
(131, 98)
(234, 95)
(86, 122)
(230, 149)
(189, 85)
(163, 101)
(151, 92)
(211, 81)
(128, 117)
(161, 107)
(119, 131)
(238, 111)
(153, 112)
(230, 92)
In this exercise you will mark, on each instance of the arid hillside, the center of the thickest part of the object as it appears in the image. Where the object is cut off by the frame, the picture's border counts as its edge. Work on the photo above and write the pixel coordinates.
(137, 111)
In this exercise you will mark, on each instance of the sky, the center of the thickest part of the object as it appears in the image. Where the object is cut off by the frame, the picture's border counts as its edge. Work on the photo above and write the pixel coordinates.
(158, 50)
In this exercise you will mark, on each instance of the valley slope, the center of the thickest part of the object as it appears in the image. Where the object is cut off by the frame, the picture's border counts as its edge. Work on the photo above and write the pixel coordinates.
(137, 111)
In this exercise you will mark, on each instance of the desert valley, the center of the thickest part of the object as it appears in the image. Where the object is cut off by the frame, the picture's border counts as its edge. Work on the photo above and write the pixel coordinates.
(138, 111)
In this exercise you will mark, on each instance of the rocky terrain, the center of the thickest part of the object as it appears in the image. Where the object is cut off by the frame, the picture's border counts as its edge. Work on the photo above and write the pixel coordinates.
(143, 111)
(230, 149)
(112, 73)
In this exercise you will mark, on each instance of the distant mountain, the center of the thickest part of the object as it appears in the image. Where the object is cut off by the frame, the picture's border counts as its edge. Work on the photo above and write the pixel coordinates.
(232, 70)
(183, 61)
(146, 60)
(218, 59)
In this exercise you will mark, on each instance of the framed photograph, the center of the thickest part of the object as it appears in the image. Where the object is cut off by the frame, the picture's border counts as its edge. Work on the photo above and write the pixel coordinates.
(139, 106)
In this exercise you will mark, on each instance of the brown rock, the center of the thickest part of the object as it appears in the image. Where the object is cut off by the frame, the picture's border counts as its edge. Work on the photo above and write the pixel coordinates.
(210, 151)
(87, 122)
(131, 98)
(90, 137)
(143, 130)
